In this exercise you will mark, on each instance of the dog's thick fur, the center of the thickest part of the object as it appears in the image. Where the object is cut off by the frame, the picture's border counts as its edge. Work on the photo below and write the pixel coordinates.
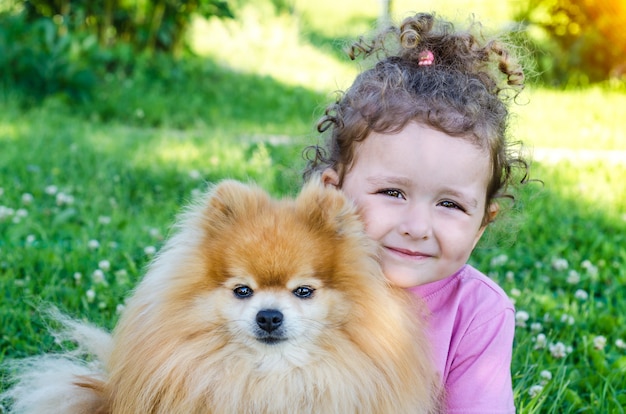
(255, 305)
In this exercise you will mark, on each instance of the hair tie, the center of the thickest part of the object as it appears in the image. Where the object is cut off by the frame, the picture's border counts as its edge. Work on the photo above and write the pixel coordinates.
(426, 58)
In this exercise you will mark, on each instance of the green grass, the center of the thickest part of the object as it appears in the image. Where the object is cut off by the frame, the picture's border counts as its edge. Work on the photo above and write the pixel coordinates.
(117, 171)
(590, 119)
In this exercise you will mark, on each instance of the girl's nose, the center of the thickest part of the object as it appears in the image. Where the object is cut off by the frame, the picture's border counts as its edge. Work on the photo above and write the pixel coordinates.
(416, 222)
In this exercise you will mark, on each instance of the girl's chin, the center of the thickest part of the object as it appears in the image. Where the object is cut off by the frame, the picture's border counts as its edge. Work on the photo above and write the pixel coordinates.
(400, 277)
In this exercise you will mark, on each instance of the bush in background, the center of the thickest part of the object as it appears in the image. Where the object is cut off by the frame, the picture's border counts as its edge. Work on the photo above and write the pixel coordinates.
(39, 61)
(60, 47)
(147, 25)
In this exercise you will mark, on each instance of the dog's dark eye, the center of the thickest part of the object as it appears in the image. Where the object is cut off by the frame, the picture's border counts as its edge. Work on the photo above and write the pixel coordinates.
(304, 292)
(243, 291)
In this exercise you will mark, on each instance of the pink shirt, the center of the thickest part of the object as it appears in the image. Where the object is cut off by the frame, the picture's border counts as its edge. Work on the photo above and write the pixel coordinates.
(472, 326)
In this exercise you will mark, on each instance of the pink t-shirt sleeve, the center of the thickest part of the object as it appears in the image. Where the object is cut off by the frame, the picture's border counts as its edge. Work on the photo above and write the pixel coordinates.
(472, 324)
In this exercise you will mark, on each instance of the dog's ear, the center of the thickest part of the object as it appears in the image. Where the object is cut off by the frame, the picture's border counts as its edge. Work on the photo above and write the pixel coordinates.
(229, 199)
(325, 205)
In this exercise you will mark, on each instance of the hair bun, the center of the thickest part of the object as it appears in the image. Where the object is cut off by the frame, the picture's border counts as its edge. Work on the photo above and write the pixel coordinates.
(413, 28)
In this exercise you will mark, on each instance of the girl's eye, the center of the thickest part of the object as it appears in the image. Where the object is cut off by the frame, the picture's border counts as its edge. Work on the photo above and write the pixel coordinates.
(243, 292)
(450, 204)
(392, 192)
(303, 292)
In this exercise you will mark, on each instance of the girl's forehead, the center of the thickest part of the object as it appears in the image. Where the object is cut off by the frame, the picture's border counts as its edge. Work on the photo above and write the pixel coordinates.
(415, 140)
(419, 152)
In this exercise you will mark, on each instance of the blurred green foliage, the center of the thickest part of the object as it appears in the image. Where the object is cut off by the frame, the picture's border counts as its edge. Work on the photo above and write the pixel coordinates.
(69, 48)
(575, 42)
(147, 24)
(60, 47)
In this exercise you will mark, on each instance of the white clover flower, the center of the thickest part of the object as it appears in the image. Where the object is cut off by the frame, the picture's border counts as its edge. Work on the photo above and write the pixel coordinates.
(535, 390)
(51, 190)
(521, 317)
(536, 327)
(545, 375)
(499, 260)
(573, 277)
(541, 341)
(121, 273)
(104, 265)
(104, 219)
(620, 343)
(77, 276)
(91, 295)
(593, 271)
(581, 294)
(154, 232)
(589, 267)
(515, 292)
(599, 342)
(93, 244)
(98, 277)
(102, 305)
(194, 174)
(509, 276)
(6, 212)
(18, 215)
(568, 319)
(30, 239)
(559, 350)
(63, 199)
(559, 264)
(149, 250)
(27, 198)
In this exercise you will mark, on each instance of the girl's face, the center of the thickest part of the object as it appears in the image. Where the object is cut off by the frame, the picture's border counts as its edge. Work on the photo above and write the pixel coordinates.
(422, 196)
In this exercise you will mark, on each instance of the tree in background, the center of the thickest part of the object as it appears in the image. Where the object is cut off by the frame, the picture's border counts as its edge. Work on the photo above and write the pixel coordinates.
(588, 39)
(148, 25)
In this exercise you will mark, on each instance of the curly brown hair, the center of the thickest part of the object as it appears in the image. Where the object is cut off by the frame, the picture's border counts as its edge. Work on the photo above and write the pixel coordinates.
(463, 91)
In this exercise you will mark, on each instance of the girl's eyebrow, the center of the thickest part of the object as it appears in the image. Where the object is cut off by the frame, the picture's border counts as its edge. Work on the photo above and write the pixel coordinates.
(386, 180)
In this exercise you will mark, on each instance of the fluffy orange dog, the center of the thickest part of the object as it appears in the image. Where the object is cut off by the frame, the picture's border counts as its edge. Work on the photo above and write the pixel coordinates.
(255, 306)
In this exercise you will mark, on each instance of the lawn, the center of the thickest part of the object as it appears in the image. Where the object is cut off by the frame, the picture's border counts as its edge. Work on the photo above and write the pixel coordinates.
(87, 195)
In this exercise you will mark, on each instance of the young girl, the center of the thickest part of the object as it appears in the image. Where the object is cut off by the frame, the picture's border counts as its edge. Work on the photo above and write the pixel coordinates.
(419, 143)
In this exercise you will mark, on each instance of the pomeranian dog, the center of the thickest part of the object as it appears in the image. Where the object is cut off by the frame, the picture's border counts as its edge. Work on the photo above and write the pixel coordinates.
(254, 305)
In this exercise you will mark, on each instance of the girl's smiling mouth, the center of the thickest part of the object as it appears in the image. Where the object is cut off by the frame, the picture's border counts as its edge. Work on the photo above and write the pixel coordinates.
(406, 253)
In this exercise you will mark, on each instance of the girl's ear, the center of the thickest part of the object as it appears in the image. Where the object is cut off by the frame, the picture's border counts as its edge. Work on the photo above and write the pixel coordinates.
(492, 212)
(330, 177)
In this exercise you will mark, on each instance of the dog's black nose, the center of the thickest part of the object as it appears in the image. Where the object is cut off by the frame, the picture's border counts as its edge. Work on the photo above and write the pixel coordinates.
(269, 319)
